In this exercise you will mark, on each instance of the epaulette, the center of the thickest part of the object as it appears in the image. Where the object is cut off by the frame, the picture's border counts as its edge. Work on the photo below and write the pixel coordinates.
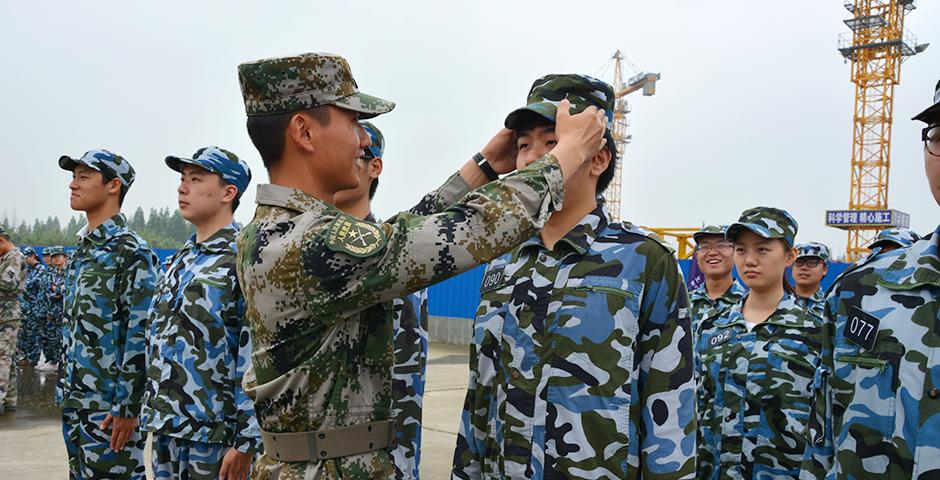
(629, 227)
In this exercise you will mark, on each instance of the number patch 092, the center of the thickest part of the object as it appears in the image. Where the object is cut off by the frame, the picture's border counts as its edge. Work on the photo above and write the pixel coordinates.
(861, 328)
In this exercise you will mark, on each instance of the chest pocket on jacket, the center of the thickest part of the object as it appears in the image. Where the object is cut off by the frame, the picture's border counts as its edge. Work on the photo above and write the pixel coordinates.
(593, 328)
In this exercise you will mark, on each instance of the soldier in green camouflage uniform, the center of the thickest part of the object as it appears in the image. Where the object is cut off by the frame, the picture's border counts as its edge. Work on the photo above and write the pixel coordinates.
(581, 365)
(409, 315)
(878, 408)
(12, 283)
(322, 357)
(809, 269)
(715, 257)
(757, 361)
(108, 289)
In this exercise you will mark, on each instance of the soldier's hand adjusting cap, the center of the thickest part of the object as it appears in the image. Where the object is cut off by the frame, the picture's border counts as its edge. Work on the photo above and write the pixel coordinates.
(291, 84)
(581, 91)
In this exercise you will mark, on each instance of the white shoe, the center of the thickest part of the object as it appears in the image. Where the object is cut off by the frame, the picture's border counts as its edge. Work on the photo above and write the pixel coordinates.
(47, 367)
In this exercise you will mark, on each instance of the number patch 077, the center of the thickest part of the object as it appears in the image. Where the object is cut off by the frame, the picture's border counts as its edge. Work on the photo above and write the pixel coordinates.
(861, 328)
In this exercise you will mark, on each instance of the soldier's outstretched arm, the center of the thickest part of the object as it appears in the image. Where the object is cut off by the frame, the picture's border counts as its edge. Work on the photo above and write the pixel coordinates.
(666, 415)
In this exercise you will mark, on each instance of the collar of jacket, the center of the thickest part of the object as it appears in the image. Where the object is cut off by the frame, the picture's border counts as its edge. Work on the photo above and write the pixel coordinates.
(111, 227)
(581, 236)
(291, 199)
(917, 265)
(220, 242)
(782, 316)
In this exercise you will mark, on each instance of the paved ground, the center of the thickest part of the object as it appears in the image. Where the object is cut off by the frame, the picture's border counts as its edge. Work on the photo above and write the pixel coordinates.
(31, 438)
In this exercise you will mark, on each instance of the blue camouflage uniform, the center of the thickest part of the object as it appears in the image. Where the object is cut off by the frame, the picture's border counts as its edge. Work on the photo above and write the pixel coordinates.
(199, 348)
(108, 289)
(581, 362)
(754, 384)
(33, 306)
(51, 328)
(702, 307)
(879, 405)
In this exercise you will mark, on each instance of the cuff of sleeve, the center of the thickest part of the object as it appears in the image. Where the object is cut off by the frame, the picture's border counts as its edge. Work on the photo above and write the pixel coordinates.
(125, 411)
(246, 445)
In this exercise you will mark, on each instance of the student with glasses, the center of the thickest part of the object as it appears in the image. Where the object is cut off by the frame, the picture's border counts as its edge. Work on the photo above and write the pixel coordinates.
(715, 258)
(809, 269)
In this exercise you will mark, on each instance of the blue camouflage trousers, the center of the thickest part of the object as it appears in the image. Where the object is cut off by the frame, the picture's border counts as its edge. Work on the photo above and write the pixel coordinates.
(50, 339)
(90, 454)
(185, 459)
(29, 341)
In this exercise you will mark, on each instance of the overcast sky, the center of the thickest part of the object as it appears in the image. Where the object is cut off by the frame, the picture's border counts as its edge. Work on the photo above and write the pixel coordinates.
(754, 106)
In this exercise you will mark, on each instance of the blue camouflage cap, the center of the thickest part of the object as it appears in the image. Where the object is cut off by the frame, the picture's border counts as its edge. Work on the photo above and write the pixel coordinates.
(902, 237)
(28, 251)
(103, 161)
(581, 91)
(378, 141)
(812, 249)
(219, 161)
(54, 250)
(767, 222)
(709, 230)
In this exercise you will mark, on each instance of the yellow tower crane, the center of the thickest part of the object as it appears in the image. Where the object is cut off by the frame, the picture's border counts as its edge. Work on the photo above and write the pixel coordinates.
(876, 46)
(641, 81)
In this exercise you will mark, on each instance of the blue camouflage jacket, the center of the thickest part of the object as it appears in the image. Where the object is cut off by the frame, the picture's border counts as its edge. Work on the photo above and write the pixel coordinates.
(33, 302)
(581, 365)
(754, 391)
(879, 406)
(200, 348)
(109, 286)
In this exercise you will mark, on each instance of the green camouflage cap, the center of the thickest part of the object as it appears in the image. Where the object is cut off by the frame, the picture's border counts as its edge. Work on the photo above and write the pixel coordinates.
(767, 222)
(102, 161)
(710, 230)
(902, 237)
(290, 84)
(812, 249)
(933, 110)
(581, 90)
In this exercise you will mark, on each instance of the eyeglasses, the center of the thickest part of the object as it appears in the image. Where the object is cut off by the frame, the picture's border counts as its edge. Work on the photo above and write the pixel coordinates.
(931, 138)
(718, 247)
(810, 262)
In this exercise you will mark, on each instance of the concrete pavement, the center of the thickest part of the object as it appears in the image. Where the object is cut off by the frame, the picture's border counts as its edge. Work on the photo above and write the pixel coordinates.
(31, 438)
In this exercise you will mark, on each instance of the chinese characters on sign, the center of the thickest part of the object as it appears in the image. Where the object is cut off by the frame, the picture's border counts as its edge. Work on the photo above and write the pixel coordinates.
(867, 218)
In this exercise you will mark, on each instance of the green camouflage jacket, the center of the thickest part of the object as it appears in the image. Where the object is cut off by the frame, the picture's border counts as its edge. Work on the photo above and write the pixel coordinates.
(108, 289)
(309, 273)
(879, 405)
(754, 391)
(12, 282)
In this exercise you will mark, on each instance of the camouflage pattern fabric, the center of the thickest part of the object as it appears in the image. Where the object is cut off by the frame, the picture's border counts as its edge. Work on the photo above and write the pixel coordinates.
(814, 304)
(108, 288)
(717, 230)
(879, 405)
(12, 283)
(89, 449)
(103, 161)
(581, 365)
(902, 237)
(702, 307)
(178, 458)
(221, 162)
(34, 307)
(51, 329)
(767, 222)
(377, 149)
(309, 272)
(290, 84)
(199, 349)
(582, 91)
(812, 249)
(754, 390)
(409, 316)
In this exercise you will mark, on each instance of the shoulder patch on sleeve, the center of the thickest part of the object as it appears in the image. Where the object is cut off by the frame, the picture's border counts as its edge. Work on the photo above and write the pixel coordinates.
(355, 237)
